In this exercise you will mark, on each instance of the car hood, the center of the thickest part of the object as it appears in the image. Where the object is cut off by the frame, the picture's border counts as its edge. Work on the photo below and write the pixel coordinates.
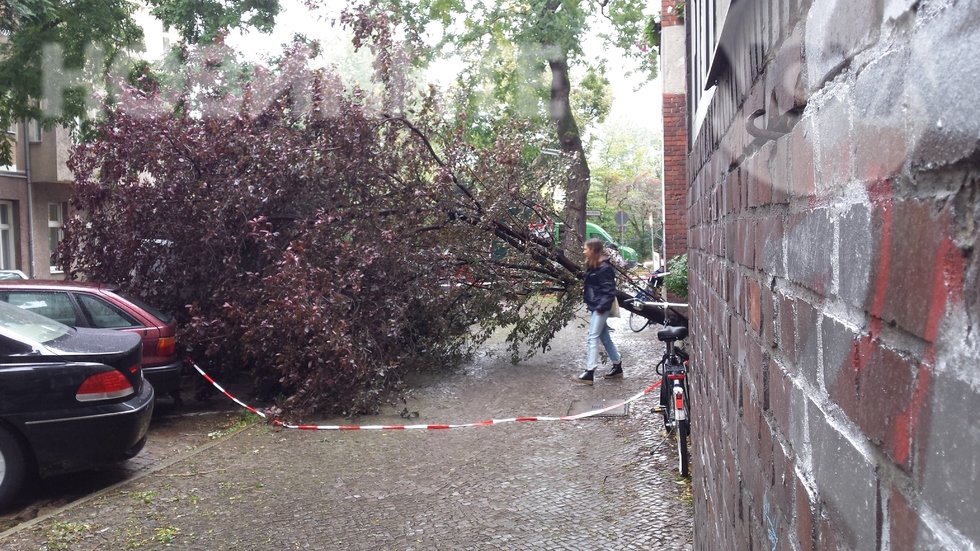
(82, 342)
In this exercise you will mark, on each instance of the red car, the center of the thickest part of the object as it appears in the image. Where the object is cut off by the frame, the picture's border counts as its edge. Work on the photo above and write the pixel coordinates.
(99, 305)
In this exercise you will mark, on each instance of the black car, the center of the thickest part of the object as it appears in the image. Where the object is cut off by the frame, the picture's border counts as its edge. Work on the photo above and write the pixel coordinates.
(70, 399)
(98, 305)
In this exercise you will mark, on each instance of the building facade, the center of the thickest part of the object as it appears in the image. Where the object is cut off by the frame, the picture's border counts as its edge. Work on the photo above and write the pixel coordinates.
(34, 194)
(36, 187)
(674, 78)
(833, 191)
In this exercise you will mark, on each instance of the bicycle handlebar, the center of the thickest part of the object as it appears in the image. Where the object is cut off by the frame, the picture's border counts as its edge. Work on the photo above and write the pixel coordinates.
(662, 304)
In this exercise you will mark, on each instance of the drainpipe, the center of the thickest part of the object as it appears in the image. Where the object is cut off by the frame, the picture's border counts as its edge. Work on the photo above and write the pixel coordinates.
(30, 202)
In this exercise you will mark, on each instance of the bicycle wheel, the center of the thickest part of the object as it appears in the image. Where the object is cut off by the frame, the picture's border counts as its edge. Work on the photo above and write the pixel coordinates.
(683, 454)
(638, 323)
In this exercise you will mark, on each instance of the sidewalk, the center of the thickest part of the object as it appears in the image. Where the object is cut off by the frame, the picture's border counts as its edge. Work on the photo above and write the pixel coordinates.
(588, 484)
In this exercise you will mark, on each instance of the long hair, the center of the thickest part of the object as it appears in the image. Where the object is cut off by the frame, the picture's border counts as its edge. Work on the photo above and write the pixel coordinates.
(593, 253)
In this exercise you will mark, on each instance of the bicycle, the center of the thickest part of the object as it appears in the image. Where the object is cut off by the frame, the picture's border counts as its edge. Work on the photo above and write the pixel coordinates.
(675, 401)
(652, 292)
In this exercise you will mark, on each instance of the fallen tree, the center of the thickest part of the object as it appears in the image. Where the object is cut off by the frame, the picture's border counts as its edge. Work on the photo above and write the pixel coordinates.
(319, 242)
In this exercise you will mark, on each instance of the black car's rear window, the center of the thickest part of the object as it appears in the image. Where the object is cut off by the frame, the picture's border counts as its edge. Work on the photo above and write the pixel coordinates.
(158, 314)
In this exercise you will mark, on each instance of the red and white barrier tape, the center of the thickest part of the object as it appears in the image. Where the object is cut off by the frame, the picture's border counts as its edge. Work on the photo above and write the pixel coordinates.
(486, 423)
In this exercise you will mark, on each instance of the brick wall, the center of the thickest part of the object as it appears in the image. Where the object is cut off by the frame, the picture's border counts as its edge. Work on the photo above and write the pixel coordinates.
(675, 174)
(675, 131)
(835, 283)
(668, 14)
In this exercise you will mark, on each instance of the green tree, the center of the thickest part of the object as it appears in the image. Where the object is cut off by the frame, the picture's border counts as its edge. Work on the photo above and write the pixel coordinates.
(57, 52)
(202, 21)
(626, 177)
(520, 58)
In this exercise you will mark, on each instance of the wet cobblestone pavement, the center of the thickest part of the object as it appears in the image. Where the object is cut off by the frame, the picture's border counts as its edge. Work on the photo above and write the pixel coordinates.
(563, 485)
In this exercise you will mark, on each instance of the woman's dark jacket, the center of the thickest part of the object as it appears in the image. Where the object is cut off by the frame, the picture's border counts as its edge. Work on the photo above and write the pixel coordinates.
(600, 287)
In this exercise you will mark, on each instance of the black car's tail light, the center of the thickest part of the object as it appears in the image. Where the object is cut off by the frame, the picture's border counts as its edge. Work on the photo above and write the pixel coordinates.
(107, 385)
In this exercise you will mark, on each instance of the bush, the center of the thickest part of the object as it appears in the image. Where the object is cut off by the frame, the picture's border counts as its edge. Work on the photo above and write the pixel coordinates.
(676, 281)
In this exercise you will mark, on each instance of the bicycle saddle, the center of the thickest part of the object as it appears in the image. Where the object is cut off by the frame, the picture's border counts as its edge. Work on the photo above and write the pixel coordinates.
(672, 333)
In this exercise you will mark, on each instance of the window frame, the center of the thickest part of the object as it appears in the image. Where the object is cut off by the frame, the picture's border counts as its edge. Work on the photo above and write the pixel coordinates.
(58, 224)
(8, 253)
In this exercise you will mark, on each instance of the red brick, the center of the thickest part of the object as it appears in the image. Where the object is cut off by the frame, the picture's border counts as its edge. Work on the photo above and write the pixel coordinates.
(805, 533)
(766, 461)
(845, 387)
(782, 484)
(886, 384)
(802, 161)
(780, 392)
(731, 239)
(916, 242)
(827, 537)
(768, 319)
(787, 327)
(755, 306)
(763, 178)
(903, 522)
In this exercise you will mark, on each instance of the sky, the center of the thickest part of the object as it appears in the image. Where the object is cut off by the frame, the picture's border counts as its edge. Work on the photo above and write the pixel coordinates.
(634, 103)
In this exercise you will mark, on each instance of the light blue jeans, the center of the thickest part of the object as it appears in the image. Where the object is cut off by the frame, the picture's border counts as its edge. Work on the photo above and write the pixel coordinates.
(599, 331)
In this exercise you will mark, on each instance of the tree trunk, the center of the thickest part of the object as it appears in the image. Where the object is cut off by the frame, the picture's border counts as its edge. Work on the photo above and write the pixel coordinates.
(570, 141)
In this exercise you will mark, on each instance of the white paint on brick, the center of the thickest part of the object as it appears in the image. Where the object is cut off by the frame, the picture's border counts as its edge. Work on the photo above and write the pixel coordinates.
(674, 67)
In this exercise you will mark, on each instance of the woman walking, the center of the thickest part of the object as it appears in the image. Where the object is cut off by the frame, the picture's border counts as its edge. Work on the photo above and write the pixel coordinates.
(599, 294)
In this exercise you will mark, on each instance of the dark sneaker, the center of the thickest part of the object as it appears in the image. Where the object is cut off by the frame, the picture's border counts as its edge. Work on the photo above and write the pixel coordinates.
(615, 373)
(585, 377)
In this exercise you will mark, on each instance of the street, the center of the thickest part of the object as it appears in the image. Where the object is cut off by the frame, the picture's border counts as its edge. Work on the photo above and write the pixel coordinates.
(205, 483)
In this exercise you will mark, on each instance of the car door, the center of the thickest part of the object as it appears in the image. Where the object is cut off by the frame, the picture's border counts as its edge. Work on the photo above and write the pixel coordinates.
(100, 313)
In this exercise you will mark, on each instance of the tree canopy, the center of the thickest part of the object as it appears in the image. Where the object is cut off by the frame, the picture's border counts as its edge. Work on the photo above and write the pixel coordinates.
(305, 233)
(55, 53)
(520, 61)
(627, 177)
(322, 237)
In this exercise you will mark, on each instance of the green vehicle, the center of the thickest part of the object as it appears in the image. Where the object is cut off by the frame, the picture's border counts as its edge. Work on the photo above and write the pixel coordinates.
(595, 231)
(499, 251)
(628, 254)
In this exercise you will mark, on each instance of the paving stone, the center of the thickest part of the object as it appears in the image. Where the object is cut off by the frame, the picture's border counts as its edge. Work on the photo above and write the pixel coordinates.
(562, 485)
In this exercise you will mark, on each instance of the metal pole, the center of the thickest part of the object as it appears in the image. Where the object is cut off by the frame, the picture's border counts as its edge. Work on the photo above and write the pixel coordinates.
(663, 243)
(30, 202)
(653, 244)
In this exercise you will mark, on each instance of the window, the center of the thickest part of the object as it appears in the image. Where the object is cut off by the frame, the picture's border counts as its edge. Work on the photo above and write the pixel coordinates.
(7, 256)
(56, 306)
(56, 222)
(10, 347)
(706, 55)
(34, 131)
(105, 315)
(12, 135)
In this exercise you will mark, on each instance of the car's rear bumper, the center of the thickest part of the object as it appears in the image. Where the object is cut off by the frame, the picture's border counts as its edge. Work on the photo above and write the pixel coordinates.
(68, 441)
(164, 378)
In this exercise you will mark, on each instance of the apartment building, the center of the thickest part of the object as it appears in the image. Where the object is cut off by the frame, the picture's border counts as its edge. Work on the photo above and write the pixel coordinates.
(34, 194)
(35, 189)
